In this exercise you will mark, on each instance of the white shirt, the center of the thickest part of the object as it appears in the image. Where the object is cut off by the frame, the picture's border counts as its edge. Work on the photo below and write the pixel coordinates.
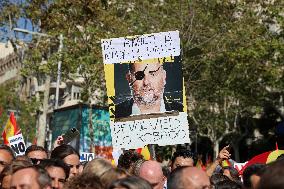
(136, 110)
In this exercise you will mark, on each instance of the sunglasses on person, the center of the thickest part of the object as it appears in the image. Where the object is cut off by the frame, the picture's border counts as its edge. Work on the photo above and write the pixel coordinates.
(35, 161)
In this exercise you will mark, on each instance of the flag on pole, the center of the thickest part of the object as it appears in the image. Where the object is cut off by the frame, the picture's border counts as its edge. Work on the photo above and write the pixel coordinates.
(11, 128)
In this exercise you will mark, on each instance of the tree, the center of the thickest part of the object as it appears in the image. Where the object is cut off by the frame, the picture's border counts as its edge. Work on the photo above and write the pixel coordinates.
(232, 53)
(235, 60)
(24, 111)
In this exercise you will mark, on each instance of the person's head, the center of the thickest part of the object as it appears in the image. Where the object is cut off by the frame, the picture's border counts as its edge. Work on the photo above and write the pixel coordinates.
(182, 157)
(231, 173)
(86, 181)
(136, 167)
(111, 175)
(5, 177)
(152, 172)
(188, 178)
(127, 160)
(273, 175)
(97, 167)
(69, 155)
(24, 158)
(32, 177)
(147, 82)
(166, 171)
(130, 183)
(218, 177)
(227, 184)
(252, 174)
(6, 156)
(57, 170)
(36, 153)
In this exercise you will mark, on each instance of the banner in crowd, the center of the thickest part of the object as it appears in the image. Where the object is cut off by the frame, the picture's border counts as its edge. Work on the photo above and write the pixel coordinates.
(101, 136)
(11, 129)
(78, 117)
(145, 90)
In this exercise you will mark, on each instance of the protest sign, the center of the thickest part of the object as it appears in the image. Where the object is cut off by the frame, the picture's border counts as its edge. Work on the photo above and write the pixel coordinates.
(145, 89)
(17, 144)
(156, 45)
(85, 156)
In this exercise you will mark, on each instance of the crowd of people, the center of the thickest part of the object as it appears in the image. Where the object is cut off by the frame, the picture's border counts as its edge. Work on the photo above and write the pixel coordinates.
(61, 169)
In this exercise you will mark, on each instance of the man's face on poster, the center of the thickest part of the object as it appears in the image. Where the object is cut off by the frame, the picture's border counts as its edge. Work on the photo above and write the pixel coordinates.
(147, 82)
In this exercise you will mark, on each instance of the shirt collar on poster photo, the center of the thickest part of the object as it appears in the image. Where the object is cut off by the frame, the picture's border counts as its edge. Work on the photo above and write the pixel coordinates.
(136, 110)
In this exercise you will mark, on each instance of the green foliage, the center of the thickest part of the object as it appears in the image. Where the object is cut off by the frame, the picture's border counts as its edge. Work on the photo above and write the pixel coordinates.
(24, 111)
(232, 59)
(235, 63)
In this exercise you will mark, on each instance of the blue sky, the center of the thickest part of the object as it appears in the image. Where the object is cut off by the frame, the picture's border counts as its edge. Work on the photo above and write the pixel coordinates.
(23, 23)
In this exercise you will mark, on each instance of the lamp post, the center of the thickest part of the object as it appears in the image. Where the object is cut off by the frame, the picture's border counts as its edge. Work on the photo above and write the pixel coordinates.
(43, 117)
(31, 32)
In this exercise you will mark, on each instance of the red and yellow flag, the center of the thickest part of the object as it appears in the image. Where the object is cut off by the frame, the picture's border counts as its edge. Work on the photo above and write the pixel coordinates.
(145, 152)
(226, 163)
(11, 128)
(199, 164)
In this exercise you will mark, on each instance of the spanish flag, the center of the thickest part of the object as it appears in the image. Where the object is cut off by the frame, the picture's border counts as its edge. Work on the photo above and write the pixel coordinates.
(10, 129)
(145, 152)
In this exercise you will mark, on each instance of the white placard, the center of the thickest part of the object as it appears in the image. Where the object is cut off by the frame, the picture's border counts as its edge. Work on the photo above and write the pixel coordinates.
(17, 144)
(239, 166)
(167, 130)
(85, 156)
(116, 153)
(156, 45)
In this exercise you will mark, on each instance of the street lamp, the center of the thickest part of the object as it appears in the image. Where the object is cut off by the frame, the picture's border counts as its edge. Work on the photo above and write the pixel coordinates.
(31, 32)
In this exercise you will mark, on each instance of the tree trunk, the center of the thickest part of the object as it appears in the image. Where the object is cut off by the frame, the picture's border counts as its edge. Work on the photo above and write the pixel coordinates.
(216, 149)
(43, 116)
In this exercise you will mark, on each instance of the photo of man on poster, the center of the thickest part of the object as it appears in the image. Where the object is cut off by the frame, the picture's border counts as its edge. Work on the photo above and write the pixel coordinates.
(146, 82)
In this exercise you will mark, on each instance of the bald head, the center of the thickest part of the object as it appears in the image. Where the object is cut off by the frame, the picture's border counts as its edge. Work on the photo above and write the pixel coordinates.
(152, 172)
(188, 178)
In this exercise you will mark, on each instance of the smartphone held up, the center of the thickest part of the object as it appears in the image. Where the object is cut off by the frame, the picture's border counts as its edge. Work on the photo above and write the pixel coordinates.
(70, 135)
